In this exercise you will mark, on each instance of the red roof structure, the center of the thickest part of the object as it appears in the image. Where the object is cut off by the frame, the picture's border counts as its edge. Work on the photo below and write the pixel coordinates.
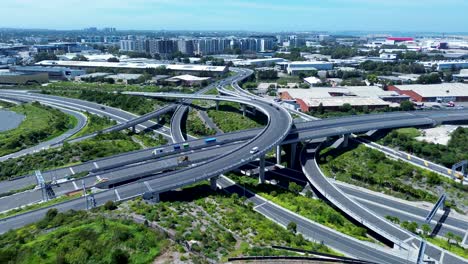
(400, 39)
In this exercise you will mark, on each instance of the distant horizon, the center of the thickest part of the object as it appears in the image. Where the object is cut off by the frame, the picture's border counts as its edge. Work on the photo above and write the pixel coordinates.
(448, 16)
(100, 28)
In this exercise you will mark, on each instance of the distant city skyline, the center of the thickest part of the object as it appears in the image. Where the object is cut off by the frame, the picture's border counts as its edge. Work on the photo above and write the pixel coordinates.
(260, 15)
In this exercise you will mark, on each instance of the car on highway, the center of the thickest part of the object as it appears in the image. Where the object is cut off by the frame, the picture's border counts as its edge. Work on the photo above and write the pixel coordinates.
(158, 151)
(210, 140)
(254, 150)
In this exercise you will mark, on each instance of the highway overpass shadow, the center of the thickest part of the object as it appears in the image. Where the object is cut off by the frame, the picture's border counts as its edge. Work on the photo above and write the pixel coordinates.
(441, 221)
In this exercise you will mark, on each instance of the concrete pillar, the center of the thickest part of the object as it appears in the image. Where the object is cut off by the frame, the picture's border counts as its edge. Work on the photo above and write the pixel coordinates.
(217, 105)
(292, 162)
(133, 129)
(158, 119)
(261, 172)
(213, 183)
(244, 110)
(278, 154)
(156, 198)
(345, 140)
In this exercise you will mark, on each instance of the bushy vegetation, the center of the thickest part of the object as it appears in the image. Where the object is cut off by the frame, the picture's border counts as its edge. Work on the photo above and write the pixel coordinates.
(315, 210)
(196, 127)
(101, 146)
(95, 123)
(229, 118)
(371, 169)
(80, 237)
(134, 104)
(149, 139)
(451, 243)
(455, 151)
(40, 124)
(219, 225)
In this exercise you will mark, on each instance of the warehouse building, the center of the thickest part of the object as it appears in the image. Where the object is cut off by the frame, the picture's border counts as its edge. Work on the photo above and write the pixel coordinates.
(55, 73)
(446, 92)
(20, 78)
(330, 98)
(205, 70)
(297, 67)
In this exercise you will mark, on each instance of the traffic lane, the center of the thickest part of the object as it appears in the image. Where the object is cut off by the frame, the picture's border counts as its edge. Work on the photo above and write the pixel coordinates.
(230, 160)
(343, 243)
(118, 160)
(339, 129)
(150, 167)
(118, 115)
(386, 205)
(378, 209)
(349, 246)
(360, 214)
(341, 200)
(380, 199)
(81, 122)
(114, 176)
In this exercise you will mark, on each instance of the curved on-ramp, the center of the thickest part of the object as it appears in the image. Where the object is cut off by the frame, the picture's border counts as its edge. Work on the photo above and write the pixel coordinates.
(81, 118)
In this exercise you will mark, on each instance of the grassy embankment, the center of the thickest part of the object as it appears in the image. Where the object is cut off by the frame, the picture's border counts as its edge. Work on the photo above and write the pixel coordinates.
(41, 123)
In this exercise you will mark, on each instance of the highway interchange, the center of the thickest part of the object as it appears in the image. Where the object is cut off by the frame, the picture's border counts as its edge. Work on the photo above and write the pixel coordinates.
(235, 149)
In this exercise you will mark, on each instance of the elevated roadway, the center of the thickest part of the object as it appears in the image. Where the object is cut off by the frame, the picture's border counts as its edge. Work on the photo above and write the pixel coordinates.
(400, 237)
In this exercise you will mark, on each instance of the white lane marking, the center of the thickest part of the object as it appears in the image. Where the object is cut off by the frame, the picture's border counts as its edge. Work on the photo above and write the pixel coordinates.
(80, 107)
(72, 171)
(95, 165)
(442, 257)
(74, 185)
(260, 205)
(117, 194)
(148, 186)
(465, 238)
(408, 239)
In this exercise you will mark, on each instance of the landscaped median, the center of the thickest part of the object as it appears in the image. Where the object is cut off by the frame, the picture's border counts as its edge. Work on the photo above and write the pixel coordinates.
(82, 237)
(371, 169)
(41, 123)
(218, 225)
(315, 210)
(229, 118)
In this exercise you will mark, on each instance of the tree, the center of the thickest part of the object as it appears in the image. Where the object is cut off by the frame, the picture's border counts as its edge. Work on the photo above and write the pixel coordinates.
(294, 187)
(79, 57)
(320, 109)
(406, 106)
(448, 77)
(432, 78)
(41, 56)
(426, 229)
(373, 79)
(292, 227)
(119, 257)
(450, 236)
(113, 59)
(110, 205)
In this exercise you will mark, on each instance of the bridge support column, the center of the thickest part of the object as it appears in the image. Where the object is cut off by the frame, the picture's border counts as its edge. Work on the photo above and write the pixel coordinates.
(244, 110)
(261, 171)
(213, 183)
(158, 119)
(292, 162)
(345, 140)
(217, 105)
(278, 154)
(156, 198)
(133, 129)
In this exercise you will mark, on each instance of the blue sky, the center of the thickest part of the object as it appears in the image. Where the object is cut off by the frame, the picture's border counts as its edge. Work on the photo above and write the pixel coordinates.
(261, 15)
